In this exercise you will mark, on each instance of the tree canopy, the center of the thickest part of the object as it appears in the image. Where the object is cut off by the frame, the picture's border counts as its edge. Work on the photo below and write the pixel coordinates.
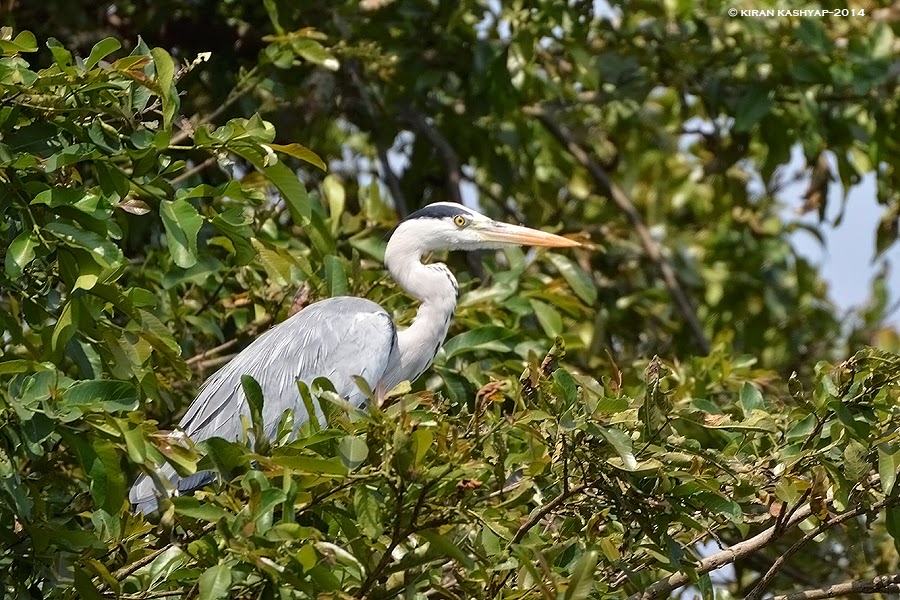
(675, 408)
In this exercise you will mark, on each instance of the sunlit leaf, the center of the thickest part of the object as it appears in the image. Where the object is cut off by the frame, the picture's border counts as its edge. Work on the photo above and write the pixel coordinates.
(215, 582)
(101, 50)
(182, 223)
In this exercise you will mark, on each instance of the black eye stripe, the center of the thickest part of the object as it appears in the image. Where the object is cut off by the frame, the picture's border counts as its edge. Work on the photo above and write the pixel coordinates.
(440, 211)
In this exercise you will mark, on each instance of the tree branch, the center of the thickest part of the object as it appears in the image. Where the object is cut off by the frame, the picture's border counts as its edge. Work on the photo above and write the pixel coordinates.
(760, 587)
(194, 169)
(392, 181)
(249, 82)
(546, 509)
(663, 587)
(443, 147)
(451, 167)
(882, 583)
(621, 200)
(369, 101)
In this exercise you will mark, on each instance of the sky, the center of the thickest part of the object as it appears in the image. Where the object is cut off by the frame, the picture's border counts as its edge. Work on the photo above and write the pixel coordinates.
(847, 257)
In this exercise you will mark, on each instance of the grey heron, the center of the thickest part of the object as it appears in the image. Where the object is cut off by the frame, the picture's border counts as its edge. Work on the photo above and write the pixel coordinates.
(342, 338)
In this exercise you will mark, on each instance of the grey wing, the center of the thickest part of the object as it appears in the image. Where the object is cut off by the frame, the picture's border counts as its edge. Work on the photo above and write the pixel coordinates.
(339, 339)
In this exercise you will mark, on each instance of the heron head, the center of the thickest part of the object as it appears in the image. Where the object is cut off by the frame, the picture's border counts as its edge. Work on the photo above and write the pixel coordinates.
(451, 226)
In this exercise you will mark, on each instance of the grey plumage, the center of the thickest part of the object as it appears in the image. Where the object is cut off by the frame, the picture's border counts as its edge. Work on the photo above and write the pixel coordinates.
(343, 338)
(295, 350)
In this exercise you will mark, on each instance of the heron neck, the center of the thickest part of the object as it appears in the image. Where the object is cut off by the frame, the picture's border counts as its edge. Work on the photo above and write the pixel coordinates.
(436, 289)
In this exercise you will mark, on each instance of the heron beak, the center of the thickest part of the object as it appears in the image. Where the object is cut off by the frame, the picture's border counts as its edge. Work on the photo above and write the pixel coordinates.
(503, 233)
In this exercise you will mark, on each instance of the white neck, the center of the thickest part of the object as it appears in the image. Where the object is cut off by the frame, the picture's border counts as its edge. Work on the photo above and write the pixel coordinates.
(436, 289)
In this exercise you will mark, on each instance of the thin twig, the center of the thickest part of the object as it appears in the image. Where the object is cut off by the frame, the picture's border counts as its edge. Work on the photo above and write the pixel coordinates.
(623, 202)
(141, 562)
(448, 154)
(147, 596)
(546, 509)
(663, 587)
(392, 181)
(375, 108)
(254, 328)
(240, 90)
(127, 570)
(882, 583)
(453, 170)
(194, 170)
(215, 351)
(760, 587)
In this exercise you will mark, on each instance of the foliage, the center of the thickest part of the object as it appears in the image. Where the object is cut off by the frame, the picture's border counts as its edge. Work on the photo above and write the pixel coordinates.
(143, 248)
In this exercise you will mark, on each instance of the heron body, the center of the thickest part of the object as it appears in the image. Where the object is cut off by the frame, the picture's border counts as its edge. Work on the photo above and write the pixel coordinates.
(346, 337)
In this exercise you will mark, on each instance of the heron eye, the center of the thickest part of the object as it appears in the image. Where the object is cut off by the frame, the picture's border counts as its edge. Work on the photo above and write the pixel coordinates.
(460, 221)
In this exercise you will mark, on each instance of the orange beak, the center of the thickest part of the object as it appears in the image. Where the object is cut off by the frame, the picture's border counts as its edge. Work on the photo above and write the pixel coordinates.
(515, 234)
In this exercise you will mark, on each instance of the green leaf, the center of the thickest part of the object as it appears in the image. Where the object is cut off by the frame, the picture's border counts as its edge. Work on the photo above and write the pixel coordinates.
(888, 466)
(104, 252)
(882, 40)
(106, 395)
(100, 461)
(755, 104)
(85, 587)
(335, 276)
(182, 223)
(226, 457)
(422, 439)
(549, 318)
(66, 325)
(215, 583)
(621, 443)
(314, 52)
(301, 152)
(134, 441)
(308, 464)
(893, 524)
(353, 451)
(706, 587)
(101, 50)
(368, 512)
(20, 253)
(23, 42)
(61, 56)
(165, 74)
(277, 267)
(750, 399)
(255, 400)
(336, 197)
(719, 505)
(581, 583)
(488, 338)
(856, 465)
(191, 507)
(287, 182)
(581, 283)
(17, 365)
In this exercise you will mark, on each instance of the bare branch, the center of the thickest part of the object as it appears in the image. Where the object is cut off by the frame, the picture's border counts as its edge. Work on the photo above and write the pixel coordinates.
(621, 200)
(453, 170)
(374, 107)
(443, 147)
(663, 587)
(248, 83)
(194, 170)
(392, 181)
(882, 583)
(546, 509)
(760, 587)
(212, 356)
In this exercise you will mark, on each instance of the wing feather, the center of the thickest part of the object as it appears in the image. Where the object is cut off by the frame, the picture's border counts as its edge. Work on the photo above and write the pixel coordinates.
(339, 339)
